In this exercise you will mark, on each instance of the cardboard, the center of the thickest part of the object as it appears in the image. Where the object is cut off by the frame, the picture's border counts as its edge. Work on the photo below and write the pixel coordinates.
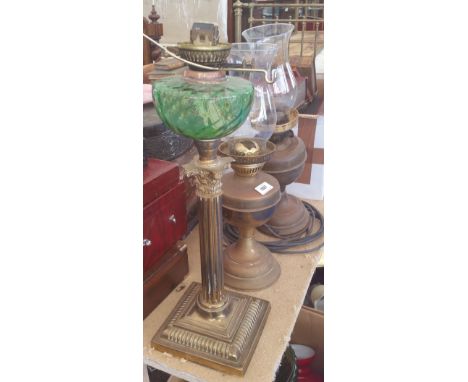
(309, 331)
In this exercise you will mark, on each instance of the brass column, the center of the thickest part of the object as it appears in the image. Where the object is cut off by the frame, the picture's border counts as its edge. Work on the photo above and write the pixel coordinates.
(210, 325)
(208, 171)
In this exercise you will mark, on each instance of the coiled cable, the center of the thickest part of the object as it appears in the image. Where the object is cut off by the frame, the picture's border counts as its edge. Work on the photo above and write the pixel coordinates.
(285, 243)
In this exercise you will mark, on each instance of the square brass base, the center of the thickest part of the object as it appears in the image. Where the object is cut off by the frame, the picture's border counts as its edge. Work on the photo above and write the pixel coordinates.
(225, 343)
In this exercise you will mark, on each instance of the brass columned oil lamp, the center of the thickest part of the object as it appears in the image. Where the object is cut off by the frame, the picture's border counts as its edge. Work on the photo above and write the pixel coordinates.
(209, 325)
(249, 200)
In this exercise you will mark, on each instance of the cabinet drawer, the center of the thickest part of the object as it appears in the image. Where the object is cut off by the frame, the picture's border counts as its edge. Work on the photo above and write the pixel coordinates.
(161, 281)
(164, 222)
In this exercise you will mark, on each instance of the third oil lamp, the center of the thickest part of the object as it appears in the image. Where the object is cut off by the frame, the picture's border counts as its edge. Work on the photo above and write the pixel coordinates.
(287, 162)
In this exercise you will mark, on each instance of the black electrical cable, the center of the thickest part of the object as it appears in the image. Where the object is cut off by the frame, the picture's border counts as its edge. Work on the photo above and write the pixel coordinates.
(282, 246)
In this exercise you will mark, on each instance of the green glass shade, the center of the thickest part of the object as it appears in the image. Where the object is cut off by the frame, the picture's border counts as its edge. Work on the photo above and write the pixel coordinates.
(203, 110)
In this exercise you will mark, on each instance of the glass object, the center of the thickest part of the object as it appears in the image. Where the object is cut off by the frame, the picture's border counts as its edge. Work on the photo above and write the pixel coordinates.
(203, 109)
(285, 86)
(261, 121)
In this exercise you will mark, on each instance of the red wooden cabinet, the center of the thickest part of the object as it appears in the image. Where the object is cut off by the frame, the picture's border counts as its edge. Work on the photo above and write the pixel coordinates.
(165, 261)
(164, 211)
(158, 177)
(164, 222)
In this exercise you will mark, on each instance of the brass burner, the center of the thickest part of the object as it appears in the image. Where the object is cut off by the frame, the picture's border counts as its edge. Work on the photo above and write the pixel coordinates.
(246, 147)
(250, 154)
(205, 55)
(204, 47)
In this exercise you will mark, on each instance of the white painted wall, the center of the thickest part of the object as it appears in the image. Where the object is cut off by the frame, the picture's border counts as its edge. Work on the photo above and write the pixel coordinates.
(179, 15)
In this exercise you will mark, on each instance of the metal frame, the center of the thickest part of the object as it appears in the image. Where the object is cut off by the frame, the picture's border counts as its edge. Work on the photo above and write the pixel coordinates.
(239, 6)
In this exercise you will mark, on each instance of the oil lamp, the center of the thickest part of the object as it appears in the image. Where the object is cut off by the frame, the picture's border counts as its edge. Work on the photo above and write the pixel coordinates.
(249, 200)
(287, 162)
(249, 194)
(209, 325)
(286, 165)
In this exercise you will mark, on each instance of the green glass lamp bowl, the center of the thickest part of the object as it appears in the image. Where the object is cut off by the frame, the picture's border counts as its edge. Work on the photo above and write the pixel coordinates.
(203, 110)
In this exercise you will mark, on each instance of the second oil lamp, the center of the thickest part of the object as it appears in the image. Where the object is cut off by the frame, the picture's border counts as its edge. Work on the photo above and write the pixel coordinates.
(249, 200)
(249, 194)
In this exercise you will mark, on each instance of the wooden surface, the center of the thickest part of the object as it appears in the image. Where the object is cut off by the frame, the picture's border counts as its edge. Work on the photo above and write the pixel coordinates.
(286, 297)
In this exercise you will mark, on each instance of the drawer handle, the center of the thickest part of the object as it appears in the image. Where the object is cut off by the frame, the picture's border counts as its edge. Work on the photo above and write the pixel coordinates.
(146, 242)
(172, 219)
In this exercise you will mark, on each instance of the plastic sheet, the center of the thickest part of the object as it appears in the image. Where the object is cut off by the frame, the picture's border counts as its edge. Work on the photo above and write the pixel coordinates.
(179, 15)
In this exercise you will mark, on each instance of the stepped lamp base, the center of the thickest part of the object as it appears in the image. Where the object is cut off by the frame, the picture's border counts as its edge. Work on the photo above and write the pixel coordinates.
(290, 217)
(247, 273)
(225, 341)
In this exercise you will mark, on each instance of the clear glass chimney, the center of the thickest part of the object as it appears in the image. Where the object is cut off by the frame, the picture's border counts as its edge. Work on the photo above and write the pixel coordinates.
(285, 86)
(262, 118)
